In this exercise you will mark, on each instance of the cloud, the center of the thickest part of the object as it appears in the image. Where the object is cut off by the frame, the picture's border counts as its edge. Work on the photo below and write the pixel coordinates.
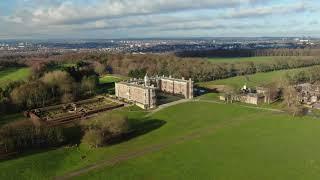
(69, 12)
(130, 17)
(265, 11)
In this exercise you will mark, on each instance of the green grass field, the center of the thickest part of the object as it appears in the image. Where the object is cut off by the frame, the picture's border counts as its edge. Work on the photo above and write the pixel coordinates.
(13, 74)
(247, 59)
(111, 79)
(251, 80)
(210, 141)
(240, 59)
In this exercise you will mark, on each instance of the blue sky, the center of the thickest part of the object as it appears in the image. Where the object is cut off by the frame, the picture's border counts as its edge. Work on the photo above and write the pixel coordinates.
(43, 19)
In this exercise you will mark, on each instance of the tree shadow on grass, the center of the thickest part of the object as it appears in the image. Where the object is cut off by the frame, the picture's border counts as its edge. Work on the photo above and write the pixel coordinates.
(106, 88)
(74, 134)
(138, 129)
(72, 137)
(55, 159)
(45, 164)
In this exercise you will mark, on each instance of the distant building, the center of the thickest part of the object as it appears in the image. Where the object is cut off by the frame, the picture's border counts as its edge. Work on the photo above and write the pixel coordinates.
(144, 92)
(249, 98)
(255, 96)
(309, 94)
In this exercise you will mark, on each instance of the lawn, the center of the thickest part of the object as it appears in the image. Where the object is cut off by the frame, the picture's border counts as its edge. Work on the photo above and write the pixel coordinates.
(13, 74)
(200, 140)
(111, 78)
(251, 80)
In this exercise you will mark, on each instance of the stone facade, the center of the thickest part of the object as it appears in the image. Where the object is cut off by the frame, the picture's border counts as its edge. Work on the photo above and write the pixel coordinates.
(177, 86)
(143, 96)
(250, 98)
(144, 92)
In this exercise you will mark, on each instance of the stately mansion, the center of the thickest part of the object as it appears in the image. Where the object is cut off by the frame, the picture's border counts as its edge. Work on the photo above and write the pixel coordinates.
(143, 92)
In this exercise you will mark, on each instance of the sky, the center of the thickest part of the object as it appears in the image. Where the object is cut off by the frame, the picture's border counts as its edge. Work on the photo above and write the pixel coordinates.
(109, 19)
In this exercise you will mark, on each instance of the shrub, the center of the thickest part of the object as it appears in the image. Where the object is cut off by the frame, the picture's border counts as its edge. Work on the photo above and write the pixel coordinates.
(93, 138)
(297, 110)
(116, 125)
(104, 129)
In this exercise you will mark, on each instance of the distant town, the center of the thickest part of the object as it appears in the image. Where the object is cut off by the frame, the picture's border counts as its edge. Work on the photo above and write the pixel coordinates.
(141, 46)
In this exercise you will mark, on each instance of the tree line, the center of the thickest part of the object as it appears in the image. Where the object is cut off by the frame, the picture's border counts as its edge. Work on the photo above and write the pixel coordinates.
(21, 136)
(46, 87)
(199, 69)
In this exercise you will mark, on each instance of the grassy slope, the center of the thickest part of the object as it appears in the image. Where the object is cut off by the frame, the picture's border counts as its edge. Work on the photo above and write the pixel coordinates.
(268, 147)
(240, 143)
(13, 74)
(250, 80)
(262, 145)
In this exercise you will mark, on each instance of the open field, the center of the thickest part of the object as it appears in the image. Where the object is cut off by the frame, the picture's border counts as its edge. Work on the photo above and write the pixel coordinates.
(240, 59)
(251, 80)
(249, 59)
(13, 74)
(246, 147)
(210, 141)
